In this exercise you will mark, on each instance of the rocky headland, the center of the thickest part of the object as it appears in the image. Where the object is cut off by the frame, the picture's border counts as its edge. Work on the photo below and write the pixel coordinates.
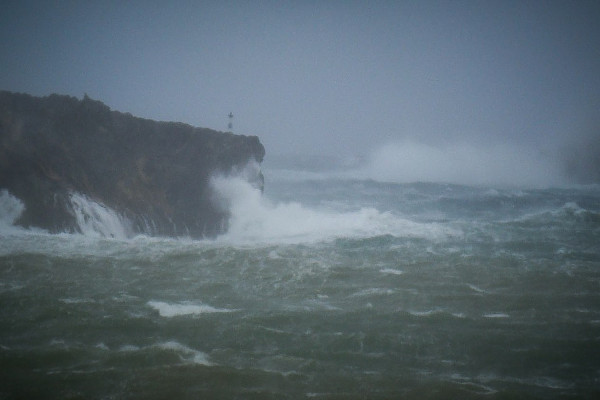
(69, 161)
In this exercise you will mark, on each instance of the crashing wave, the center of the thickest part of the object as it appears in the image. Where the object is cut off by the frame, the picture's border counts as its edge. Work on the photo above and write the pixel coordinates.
(98, 220)
(11, 208)
(256, 219)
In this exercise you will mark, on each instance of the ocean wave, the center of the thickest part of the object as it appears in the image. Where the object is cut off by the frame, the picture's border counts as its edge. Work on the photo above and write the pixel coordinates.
(569, 211)
(69, 300)
(169, 310)
(496, 315)
(391, 271)
(255, 219)
(435, 313)
(475, 288)
(537, 381)
(373, 292)
(185, 353)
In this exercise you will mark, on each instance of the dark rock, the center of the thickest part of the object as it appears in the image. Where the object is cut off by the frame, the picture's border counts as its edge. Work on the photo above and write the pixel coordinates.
(154, 174)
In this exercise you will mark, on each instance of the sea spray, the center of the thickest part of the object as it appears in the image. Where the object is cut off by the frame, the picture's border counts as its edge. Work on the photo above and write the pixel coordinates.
(255, 218)
(466, 164)
(10, 209)
(98, 220)
(169, 310)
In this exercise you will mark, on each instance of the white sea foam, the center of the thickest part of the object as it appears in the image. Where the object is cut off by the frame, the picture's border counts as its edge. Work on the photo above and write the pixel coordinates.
(539, 381)
(373, 292)
(427, 313)
(70, 300)
(97, 220)
(571, 208)
(186, 353)
(437, 311)
(254, 218)
(475, 288)
(10, 209)
(391, 271)
(169, 310)
(496, 315)
(319, 304)
(472, 386)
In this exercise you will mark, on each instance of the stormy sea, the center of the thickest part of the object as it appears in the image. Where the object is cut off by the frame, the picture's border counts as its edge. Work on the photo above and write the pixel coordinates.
(324, 287)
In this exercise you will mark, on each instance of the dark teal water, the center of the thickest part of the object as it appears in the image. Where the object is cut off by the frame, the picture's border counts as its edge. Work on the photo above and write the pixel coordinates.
(326, 289)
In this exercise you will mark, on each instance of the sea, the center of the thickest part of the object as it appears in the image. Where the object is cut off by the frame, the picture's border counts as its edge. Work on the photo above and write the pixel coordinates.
(324, 287)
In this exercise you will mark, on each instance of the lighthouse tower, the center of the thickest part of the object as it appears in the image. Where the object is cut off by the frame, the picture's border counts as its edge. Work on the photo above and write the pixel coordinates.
(230, 124)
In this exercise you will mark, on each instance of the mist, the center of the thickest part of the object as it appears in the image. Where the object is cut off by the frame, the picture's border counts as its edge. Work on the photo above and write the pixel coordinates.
(581, 157)
(409, 161)
(468, 91)
(464, 163)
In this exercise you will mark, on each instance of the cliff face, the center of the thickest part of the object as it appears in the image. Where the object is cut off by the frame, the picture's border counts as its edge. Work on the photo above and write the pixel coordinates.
(155, 175)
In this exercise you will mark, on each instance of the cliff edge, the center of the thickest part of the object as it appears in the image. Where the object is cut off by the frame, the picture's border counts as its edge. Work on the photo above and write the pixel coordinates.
(73, 162)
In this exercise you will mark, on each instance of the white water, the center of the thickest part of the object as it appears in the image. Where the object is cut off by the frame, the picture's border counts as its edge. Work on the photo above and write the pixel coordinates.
(10, 209)
(169, 310)
(97, 220)
(93, 219)
(187, 354)
(255, 218)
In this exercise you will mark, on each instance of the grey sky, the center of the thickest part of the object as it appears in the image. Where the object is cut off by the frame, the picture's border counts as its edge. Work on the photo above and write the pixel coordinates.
(325, 77)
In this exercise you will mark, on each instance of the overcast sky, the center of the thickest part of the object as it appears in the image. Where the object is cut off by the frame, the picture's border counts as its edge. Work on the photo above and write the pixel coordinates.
(324, 77)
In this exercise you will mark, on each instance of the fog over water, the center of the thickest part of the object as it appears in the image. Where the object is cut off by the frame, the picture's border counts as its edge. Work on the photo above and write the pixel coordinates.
(465, 91)
(463, 164)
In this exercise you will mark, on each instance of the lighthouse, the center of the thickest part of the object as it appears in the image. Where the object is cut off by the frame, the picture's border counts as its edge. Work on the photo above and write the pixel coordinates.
(230, 124)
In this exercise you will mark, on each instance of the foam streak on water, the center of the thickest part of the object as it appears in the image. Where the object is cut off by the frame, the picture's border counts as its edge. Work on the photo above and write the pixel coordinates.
(174, 310)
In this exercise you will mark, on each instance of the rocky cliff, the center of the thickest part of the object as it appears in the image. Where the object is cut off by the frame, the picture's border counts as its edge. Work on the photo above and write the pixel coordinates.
(59, 152)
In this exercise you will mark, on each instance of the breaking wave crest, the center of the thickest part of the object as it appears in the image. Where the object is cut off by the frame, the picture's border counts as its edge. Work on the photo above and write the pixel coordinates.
(169, 310)
(568, 212)
(186, 355)
(10, 209)
(254, 218)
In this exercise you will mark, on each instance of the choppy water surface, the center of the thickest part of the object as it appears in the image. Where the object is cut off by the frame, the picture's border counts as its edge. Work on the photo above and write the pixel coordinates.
(322, 289)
